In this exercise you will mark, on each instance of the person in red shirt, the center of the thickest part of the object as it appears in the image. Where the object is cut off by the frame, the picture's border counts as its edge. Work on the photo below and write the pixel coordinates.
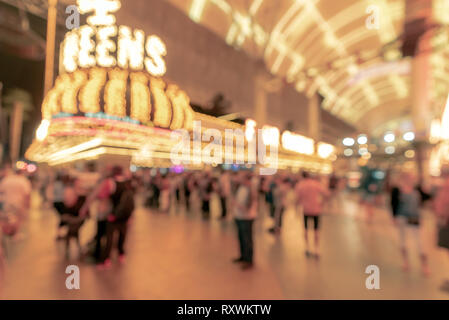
(310, 194)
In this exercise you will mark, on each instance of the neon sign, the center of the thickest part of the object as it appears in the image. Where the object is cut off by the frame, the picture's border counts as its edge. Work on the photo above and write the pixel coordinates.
(102, 43)
(114, 72)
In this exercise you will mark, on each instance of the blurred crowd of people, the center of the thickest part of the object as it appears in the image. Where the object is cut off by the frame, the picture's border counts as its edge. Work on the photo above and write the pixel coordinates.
(108, 197)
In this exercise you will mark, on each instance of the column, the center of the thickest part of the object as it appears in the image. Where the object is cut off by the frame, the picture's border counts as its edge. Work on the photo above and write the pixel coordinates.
(50, 47)
(16, 131)
(421, 104)
(314, 117)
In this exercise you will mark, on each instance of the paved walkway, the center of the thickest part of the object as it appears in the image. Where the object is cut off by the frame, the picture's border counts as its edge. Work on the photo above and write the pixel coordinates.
(180, 256)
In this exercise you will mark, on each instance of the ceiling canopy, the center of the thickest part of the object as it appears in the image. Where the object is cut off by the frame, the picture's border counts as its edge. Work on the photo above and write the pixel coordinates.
(348, 50)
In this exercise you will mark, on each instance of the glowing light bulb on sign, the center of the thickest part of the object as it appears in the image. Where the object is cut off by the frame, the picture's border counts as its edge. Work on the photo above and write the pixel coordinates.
(270, 136)
(250, 129)
(42, 131)
(70, 51)
(156, 50)
(105, 46)
(86, 58)
(130, 50)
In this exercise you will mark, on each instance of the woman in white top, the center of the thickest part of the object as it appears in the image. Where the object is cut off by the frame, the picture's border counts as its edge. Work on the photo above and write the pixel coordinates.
(245, 213)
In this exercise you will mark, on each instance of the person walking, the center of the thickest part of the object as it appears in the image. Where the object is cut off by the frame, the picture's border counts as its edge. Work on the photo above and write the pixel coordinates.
(206, 190)
(15, 189)
(101, 196)
(245, 205)
(166, 188)
(441, 206)
(310, 194)
(58, 188)
(72, 218)
(122, 208)
(224, 191)
(408, 221)
(280, 195)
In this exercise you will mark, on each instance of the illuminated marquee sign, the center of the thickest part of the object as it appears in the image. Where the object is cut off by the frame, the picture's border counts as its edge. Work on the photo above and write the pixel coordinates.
(297, 143)
(114, 72)
(103, 44)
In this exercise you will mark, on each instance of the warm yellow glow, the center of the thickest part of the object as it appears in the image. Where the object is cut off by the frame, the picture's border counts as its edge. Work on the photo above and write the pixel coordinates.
(362, 162)
(105, 46)
(155, 50)
(80, 92)
(196, 10)
(366, 156)
(70, 51)
(87, 46)
(183, 99)
(42, 130)
(72, 84)
(101, 9)
(79, 49)
(78, 148)
(21, 165)
(178, 103)
(90, 93)
(325, 150)
(140, 97)
(115, 93)
(93, 154)
(440, 10)
(250, 129)
(297, 143)
(51, 105)
(130, 50)
(270, 136)
(409, 154)
(162, 109)
(445, 121)
(435, 131)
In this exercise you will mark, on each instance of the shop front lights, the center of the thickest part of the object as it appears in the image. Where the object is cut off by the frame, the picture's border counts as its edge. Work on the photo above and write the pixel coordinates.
(349, 142)
(389, 137)
(409, 136)
(390, 150)
(362, 139)
(42, 130)
(325, 150)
